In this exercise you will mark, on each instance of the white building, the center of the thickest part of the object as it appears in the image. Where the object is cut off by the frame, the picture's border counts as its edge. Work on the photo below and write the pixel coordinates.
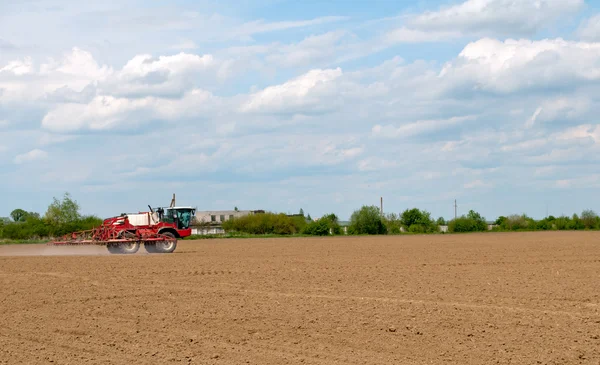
(209, 222)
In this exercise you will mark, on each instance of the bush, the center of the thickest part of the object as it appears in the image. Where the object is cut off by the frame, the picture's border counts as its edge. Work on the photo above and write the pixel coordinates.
(263, 223)
(38, 228)
(590, 219)
(62, 217)
(392, 223)
(518, 222)
(367, 220)
(472, 222)
(418, 221)
(323, 226)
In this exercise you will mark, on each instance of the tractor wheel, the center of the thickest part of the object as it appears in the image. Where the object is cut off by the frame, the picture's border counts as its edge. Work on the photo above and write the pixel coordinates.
(129, 247)
(150, 247)
(126, 248)
(166, 246)
(113, 248)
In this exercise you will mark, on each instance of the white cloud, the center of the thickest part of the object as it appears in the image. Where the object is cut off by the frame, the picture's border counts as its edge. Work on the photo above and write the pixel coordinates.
(145, 75)
(407, 35)
(563, 108)
(49, 139)
(419, 127)
(531, 121)
(19, 67)
(4, 123)
(586, 132)
(311, 50)
(525, 145)
(503, 17)
(117, 113)
(185, 45)
(493, 65)
(579, 182)
(79, 64)
(376, 163)
(590, 29)
(477, 184)
(301, 95)
(260, 26)
(33, 155)
(72, 74)
(142, 65)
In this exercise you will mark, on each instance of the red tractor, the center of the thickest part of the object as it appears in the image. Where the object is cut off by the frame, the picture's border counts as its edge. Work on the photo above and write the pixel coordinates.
(157, 229)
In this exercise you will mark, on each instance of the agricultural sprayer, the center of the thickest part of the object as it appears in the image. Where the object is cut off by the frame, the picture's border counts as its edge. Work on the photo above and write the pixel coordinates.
(157, 229)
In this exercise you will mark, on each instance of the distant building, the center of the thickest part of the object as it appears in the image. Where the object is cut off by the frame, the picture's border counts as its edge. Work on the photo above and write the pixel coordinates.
(211, 221)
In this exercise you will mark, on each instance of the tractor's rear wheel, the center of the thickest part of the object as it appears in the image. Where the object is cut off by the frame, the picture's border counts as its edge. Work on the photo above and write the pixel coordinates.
(150, 247)
(167, 246)
(129, 247)
(126, 248)
(113, 248)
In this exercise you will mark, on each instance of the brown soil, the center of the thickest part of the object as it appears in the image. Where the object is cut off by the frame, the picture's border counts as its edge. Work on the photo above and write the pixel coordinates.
(530, 298)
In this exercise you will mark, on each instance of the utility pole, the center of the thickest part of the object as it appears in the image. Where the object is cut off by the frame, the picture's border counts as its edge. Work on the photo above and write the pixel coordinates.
(381, 202)
(455, 206)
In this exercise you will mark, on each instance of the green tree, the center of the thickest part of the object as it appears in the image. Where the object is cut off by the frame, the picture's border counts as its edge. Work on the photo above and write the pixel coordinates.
(589, 219)
(367, 220)
(392, 223)
(500, 221)
(18, 215)
(479, 221)
(62, 212)
(441, 221)
(328, 224)
(418, 221)
(301, 212)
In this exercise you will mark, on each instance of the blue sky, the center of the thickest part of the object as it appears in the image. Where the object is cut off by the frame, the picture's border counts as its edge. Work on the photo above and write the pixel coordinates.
(282, 105)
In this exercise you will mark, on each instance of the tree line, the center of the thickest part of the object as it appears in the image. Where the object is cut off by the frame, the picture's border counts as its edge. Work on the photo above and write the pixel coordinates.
(368, 220)
(63, 217)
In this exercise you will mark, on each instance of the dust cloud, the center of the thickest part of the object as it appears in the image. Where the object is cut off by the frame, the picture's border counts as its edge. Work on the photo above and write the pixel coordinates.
(48, 250)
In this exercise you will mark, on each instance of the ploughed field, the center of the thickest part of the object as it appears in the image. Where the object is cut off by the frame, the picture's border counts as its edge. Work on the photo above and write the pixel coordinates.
(506, 298)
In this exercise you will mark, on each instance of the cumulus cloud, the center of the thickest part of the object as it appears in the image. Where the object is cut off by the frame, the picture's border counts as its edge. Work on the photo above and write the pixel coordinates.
(166, 75)
(501, 17)
(19, 67)
(25, 80)
(120, 113)
(33, 155)
(493, 65)
(302, 94)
